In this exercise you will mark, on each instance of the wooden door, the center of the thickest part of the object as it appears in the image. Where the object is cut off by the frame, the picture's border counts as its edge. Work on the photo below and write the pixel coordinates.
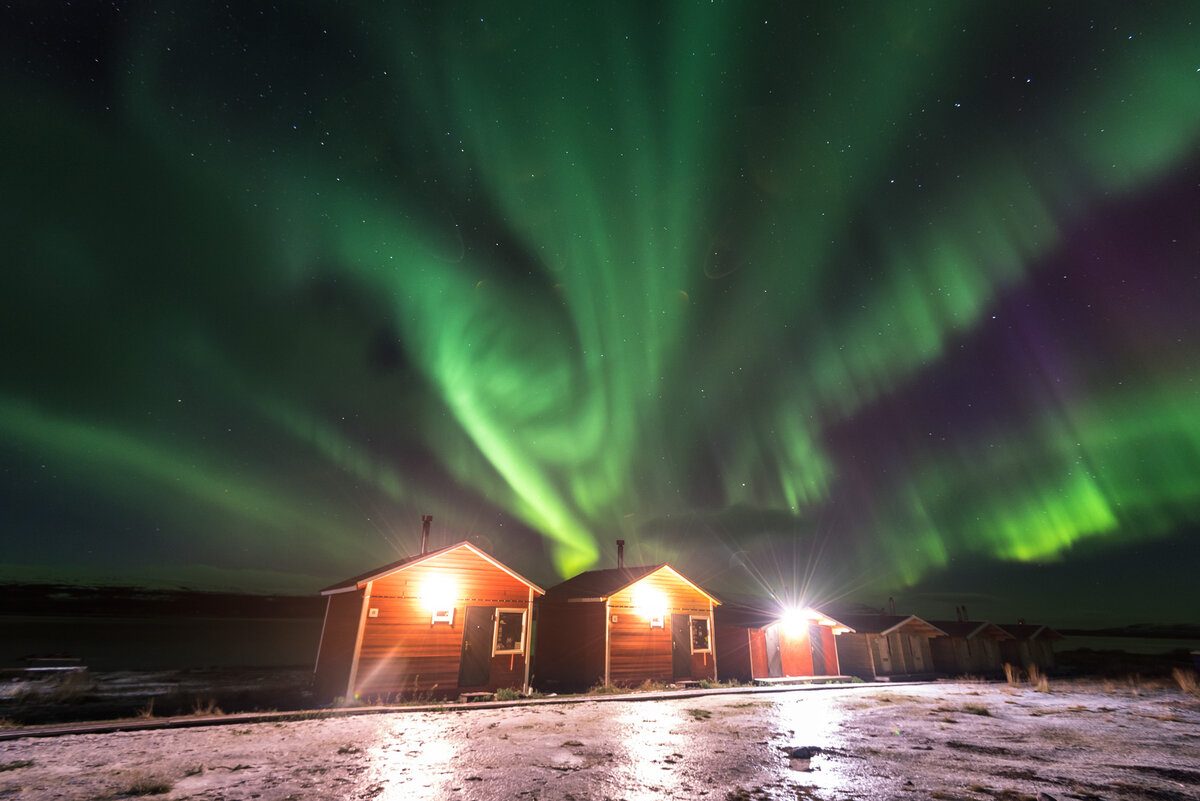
(474, 666)
(774, 657)
(818, 650)
(681, 646)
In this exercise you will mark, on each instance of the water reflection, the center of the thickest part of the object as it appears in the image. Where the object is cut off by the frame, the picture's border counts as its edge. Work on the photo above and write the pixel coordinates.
(651, 746)
(813, 719)
(414, 759)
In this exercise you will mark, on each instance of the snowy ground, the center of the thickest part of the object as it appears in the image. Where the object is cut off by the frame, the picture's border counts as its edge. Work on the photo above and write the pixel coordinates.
(946, 741)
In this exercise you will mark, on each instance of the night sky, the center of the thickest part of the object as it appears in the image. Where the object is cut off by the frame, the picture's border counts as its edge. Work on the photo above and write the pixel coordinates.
(843, 302)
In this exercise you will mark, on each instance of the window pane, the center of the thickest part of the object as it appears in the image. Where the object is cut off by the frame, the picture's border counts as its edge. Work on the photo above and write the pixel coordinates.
(510, 630)
(700, 634)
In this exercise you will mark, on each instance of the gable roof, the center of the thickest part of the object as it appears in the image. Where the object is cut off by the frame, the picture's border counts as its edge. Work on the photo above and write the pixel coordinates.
(888, 624)
(603, 584)
(969, 629)
(1029, 631)
(359, 581)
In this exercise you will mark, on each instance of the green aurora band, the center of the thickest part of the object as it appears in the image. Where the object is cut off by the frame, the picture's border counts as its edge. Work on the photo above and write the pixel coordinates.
(635, 264)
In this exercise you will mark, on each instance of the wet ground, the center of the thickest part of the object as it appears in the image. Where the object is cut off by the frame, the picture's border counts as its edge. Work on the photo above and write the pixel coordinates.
(947, 741)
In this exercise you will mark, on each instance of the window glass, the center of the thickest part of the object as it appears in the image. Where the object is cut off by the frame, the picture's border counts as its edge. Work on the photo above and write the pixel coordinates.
(699, 634)
(510, 632)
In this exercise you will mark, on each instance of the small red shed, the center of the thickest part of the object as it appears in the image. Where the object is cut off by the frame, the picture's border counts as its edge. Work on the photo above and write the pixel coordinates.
(757, 639)
(441, 623)
(624, 626)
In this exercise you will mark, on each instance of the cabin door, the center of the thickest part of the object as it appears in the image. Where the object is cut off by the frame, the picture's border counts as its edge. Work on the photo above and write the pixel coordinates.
(681, 646)
(474, 667)
(774, 657)
(818, 650)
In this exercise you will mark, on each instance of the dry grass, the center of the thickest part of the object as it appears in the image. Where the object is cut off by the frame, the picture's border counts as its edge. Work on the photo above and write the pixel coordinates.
(1012, 674)
(1187, 680)
(205, 708)
(141, 784)
(1038, 680)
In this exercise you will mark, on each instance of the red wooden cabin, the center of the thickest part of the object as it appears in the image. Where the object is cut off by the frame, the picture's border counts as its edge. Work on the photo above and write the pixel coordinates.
(437, 624)
(624, 626)
(759, 640)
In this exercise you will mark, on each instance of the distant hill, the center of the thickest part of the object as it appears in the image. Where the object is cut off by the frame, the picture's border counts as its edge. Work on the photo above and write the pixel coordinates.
(1170, 631)
(66, 600)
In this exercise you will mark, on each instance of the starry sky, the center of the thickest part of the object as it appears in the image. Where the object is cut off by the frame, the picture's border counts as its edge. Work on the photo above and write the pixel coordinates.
(838, 301)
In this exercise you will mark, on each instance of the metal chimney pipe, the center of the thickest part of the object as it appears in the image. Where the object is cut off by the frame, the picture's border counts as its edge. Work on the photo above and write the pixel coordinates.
(425, 521)
(620, 554)
(965, 618)
(891, 605)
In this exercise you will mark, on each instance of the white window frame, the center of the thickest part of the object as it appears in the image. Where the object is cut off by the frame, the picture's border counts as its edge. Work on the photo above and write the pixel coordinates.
(443, 616)
(692, 636)
(520, 650)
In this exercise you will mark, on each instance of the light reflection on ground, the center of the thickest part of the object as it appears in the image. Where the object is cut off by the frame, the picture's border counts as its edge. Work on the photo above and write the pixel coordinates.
(813, 719)
(649, 748)
(413, 759)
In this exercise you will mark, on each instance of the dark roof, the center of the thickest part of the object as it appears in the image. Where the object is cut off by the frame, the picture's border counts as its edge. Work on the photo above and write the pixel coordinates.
(599, 583)
(409, 561)
(886, 624)
(745, 616)
(971, 628)
(1029, 631)
(605, 583)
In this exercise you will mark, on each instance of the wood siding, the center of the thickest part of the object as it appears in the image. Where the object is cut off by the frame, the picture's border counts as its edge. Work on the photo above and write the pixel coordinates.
(405, 654)
(640, 653)
(570, 646)
(795, 651)
(573, 636)
(829, 640)
(735, 657)
(335, 656)
(854, 656)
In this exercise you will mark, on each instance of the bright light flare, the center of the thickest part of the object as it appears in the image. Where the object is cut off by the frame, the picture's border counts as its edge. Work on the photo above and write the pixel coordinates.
(649, 602)
(438, 594)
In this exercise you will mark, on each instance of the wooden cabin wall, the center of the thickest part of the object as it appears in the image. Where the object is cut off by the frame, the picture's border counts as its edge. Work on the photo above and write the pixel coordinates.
(570, 646)
(829, 646)
(1016, 652)
(855, 657)
(734, 660)
(403, 653)
(758, 654)
(985, 655)
(336, 652)
(795, 651)
(639, 653)
(949, 655)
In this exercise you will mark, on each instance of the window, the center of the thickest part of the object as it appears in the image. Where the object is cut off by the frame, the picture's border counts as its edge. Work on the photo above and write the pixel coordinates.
(700, 639)
(656, 621)
(510, 631)
(443, 616)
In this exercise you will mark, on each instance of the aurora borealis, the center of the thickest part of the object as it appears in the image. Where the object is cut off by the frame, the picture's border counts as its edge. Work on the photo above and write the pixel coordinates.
(880, 301)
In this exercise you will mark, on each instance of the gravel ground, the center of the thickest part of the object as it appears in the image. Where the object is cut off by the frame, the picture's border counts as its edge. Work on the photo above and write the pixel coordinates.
(945, 740)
